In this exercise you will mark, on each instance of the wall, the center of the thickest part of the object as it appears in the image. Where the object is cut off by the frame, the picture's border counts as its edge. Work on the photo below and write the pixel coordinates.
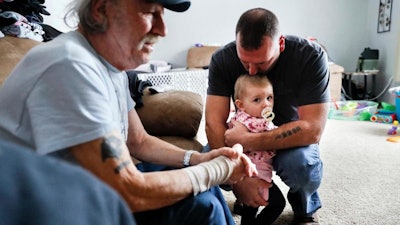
(344, 27)
(57, 11)
(388, 44)
(336, 24)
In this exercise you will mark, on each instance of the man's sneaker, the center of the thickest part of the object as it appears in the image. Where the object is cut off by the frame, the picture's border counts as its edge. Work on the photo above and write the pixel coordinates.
(309, 220)
(237, 208)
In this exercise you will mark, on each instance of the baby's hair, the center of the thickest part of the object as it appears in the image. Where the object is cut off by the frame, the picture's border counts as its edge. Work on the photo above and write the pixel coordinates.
(244, 79)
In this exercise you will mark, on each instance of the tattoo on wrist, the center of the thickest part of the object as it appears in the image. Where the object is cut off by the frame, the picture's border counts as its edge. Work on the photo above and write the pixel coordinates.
(288, 133)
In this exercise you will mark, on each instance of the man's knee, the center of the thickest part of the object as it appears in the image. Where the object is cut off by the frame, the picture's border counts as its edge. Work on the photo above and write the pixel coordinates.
(206, 209)
(208, 204)
(300, 166)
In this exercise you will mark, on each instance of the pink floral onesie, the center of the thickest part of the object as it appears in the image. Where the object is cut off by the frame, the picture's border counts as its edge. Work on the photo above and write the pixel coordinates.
(262, 159)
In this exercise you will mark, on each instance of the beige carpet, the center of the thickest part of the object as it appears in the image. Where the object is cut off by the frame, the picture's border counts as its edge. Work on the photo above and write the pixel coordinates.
(361, 182)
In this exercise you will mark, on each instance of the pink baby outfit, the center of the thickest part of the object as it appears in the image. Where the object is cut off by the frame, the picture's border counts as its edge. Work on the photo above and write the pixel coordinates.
(262, 159)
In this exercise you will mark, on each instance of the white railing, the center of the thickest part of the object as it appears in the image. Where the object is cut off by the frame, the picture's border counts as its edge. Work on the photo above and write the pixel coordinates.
(186, 80)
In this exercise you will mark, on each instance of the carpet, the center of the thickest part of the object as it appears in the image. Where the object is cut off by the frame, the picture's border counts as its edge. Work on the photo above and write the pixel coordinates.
(361, 181)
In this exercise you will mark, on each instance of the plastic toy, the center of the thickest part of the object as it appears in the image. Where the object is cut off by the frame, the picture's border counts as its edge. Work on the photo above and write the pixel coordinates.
(396, 92)
(393, 130)
(385, 115)
(394, 139)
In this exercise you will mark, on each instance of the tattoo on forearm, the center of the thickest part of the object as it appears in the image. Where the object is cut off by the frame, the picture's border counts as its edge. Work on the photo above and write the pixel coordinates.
(121, 166)
(112, 148)
(288, 133)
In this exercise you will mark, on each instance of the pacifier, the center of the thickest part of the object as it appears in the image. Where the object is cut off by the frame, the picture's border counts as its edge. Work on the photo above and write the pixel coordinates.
(267, 114)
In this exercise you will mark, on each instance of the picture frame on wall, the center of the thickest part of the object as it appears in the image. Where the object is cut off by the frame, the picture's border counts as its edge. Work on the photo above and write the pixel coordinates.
(384, 16)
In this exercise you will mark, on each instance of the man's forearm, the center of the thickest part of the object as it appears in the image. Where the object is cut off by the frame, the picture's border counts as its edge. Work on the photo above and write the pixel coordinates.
(157, 151)
(289, 135)
(215, 136)
(209, 174)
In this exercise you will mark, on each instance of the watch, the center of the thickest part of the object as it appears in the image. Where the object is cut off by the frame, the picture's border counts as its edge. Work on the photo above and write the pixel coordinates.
(186, 158)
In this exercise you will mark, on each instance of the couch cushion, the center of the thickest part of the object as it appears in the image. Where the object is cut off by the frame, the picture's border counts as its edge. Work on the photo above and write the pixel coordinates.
(200, 57)
(185, 143)
(12, 50)
(171, 113)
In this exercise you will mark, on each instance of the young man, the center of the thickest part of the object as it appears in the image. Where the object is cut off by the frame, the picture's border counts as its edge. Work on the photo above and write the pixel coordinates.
(69, 98)
(298, 70)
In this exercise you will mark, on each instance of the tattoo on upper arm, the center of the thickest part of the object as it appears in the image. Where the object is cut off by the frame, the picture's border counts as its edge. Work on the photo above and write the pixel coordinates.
(288, 133)
(112, 148)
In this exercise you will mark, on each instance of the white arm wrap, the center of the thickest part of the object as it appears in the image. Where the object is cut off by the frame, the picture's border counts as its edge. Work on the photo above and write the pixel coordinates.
(208, 174)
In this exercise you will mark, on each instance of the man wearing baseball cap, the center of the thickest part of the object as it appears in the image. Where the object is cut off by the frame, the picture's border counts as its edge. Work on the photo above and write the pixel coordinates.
(69, 98)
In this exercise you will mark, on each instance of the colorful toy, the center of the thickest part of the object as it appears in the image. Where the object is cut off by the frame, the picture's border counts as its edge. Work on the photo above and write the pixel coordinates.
(385, 115)
(394, 139)
(393, 130)
(396, 92)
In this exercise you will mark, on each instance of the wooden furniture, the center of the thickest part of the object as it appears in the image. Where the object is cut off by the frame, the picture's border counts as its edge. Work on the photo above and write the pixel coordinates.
(335, 81)
(348, 76)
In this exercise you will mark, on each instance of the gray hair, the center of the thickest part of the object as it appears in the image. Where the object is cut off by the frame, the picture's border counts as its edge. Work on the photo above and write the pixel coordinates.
(81, 12)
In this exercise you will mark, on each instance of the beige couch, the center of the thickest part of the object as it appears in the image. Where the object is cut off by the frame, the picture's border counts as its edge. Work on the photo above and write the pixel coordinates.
(11, 51)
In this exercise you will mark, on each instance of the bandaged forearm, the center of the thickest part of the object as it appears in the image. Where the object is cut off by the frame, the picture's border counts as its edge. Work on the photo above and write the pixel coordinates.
(208, 174)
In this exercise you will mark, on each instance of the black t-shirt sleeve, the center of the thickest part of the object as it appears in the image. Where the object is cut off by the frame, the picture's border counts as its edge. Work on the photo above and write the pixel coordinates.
(224, 69)
(314, 87)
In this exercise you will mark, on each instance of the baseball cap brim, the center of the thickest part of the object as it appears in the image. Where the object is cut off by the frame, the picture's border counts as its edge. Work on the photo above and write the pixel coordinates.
(175, 5)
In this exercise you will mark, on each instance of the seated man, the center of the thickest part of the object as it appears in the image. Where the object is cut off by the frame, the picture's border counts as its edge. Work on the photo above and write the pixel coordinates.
(69, 98)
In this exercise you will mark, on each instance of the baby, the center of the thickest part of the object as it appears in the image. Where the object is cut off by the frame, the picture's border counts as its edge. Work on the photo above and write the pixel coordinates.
(254, 101)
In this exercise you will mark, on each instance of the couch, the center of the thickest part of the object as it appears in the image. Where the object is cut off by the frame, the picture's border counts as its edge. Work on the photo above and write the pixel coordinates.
(173, 116)
(12, 49)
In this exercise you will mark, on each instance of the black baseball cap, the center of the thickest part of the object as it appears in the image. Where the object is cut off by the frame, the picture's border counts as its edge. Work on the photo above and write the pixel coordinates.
(174, 5)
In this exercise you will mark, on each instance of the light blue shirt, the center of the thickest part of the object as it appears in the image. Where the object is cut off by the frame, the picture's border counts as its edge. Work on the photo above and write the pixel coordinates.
(62, 94)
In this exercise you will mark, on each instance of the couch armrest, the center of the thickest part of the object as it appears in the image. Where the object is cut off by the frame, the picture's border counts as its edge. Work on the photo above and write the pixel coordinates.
(171, 113)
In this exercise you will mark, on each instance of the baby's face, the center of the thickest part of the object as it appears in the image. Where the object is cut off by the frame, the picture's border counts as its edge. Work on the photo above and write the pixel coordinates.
(256, 98)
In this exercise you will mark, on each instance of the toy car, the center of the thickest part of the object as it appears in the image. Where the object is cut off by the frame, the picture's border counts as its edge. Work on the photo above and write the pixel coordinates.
(383, 116)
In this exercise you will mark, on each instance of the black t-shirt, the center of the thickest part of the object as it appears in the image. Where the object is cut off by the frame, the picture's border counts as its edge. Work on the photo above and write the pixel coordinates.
(300, 76)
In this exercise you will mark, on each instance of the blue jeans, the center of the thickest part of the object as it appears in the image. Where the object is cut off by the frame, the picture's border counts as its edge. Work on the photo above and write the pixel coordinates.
(301, 169)
(208, 207)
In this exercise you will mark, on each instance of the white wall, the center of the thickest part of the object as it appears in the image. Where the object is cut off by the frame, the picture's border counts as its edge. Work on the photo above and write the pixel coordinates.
(336, 24)
(57, 10)
(387, 43)
(344, 27)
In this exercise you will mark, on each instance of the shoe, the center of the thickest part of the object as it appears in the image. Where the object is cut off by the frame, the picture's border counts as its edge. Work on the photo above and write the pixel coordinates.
(226, 187)
(237, 208)
(309, 220)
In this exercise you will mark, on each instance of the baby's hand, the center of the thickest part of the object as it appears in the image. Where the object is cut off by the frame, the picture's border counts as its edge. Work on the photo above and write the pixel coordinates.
(244, 166)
